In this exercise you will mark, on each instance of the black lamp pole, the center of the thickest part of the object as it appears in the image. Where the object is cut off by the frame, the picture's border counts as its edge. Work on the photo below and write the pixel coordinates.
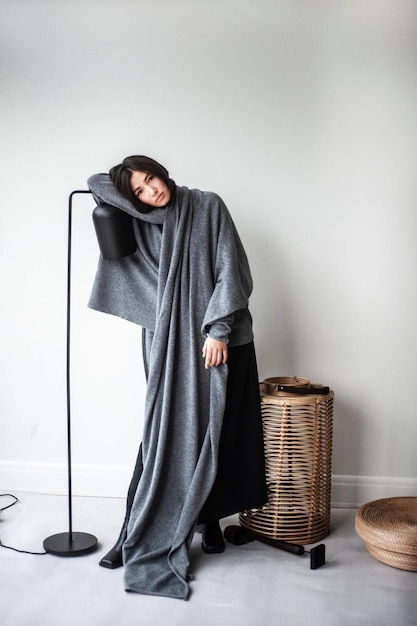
(70, 543)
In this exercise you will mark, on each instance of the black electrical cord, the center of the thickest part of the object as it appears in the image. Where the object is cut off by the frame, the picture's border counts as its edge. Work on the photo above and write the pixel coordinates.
(8, 495)
(15, 500)
(21, 551)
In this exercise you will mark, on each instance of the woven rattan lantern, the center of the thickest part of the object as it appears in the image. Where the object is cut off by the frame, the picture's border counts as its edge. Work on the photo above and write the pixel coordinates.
(298, 431)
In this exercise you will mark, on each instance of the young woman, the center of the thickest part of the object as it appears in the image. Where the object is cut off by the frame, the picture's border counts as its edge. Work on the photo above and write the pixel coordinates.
(187, 284)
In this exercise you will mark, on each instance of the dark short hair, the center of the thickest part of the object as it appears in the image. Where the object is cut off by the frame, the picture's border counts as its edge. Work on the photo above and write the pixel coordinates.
(120, 176)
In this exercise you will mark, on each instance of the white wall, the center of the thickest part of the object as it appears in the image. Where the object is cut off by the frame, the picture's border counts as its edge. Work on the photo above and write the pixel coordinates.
(302, 115)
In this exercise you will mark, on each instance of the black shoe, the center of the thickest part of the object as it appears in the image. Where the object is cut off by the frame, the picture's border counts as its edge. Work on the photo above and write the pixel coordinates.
(212, 540)
(113, 559)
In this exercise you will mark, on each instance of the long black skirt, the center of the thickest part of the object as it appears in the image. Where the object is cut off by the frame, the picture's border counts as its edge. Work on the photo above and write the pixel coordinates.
(240, 482)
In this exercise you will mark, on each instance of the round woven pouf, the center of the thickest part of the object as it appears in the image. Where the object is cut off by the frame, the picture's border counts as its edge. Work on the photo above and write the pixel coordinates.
(389, 529)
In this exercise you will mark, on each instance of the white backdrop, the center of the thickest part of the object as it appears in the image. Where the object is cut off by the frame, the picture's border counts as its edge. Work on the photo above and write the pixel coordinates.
(302, 116)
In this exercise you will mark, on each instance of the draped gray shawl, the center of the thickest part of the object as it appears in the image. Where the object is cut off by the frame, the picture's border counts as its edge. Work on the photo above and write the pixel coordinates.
(181, 280)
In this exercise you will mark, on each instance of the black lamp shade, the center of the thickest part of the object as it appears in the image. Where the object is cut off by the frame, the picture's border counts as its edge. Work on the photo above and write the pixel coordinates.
(114, 230)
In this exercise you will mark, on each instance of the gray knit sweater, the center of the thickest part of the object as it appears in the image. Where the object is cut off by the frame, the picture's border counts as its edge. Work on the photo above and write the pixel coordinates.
(117, 281)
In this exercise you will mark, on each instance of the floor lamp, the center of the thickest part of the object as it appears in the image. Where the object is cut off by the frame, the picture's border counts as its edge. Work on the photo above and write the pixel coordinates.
(70, 543)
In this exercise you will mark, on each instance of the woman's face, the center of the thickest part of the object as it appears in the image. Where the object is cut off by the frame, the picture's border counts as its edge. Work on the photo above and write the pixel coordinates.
(150, 189)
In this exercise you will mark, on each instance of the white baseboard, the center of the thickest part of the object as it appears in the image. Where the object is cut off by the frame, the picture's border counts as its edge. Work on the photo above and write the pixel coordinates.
(352, 491)
(113, 481)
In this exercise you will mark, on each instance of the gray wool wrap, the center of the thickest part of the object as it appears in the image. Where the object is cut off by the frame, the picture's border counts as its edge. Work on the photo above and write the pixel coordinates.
(184, 278)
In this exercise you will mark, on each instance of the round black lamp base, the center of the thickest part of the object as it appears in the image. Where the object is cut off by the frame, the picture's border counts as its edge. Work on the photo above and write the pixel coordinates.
(70, 544)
